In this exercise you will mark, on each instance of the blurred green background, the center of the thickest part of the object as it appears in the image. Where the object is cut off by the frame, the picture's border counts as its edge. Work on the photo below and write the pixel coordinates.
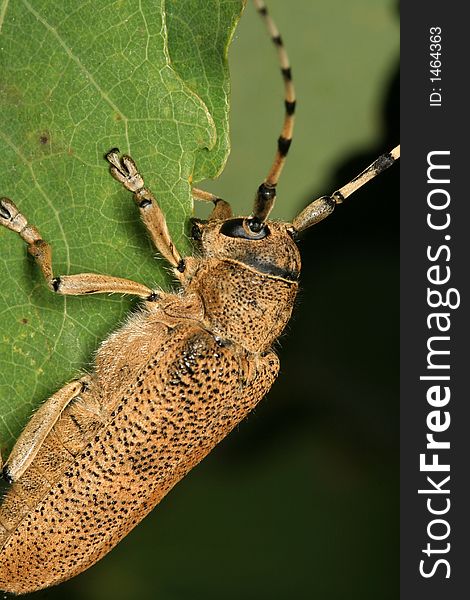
(302, 499)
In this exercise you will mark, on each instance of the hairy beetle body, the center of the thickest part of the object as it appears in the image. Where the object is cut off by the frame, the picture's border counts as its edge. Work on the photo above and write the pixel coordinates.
(168, 386)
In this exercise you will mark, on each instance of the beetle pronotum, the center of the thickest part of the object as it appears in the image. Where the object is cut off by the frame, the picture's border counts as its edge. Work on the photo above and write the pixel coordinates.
(168, 386)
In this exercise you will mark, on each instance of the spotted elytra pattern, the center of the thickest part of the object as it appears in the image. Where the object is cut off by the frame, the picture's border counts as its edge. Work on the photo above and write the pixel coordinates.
(81, 495)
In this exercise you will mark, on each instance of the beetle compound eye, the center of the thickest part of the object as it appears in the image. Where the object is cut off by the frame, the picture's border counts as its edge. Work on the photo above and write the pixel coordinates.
(246, 229)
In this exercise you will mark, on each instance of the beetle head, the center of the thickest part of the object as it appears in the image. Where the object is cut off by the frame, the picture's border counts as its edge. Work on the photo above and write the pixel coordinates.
(268, 248)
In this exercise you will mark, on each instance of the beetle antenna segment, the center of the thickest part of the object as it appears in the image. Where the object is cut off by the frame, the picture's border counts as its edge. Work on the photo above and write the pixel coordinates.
(266, 194)
(324, 206)
(378, 166)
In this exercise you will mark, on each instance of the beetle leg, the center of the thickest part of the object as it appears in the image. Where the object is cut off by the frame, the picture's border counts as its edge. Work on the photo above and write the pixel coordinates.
(74, 285)
(222, 209)
(43, 420)
(125, 171)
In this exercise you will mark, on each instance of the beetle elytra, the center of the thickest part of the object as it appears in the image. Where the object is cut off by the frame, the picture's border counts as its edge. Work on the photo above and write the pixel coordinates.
(168, 385)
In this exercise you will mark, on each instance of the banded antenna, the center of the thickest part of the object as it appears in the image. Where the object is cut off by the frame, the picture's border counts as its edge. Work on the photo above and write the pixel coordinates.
(317, 210)
(266, 194)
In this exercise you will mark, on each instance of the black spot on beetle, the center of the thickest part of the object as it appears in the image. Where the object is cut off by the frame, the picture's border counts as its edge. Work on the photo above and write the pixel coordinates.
(290, 107)
(6, 475)
(4, 213)
(283, 145)
(383, 162)
(287, 73)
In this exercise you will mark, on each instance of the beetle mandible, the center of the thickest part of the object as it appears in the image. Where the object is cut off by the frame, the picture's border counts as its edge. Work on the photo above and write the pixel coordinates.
(168, 385)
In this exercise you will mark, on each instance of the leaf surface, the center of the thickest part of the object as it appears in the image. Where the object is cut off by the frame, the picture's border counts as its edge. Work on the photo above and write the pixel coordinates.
(77, 80)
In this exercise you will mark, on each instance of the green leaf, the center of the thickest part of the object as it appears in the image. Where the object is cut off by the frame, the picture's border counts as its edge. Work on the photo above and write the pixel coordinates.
(198, 48)
(149, 77)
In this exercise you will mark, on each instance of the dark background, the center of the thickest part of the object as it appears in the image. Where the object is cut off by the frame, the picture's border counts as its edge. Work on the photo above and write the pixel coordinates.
(302, 499)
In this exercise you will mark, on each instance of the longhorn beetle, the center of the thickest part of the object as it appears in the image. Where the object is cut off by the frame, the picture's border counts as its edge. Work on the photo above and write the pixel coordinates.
(167, 386)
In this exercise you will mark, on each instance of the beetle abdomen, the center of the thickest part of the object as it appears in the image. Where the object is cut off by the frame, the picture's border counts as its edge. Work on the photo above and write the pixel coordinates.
(180, 406)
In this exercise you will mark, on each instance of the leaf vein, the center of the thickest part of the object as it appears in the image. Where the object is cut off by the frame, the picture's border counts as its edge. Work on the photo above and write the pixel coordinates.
(75, 59)
(3, 11)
